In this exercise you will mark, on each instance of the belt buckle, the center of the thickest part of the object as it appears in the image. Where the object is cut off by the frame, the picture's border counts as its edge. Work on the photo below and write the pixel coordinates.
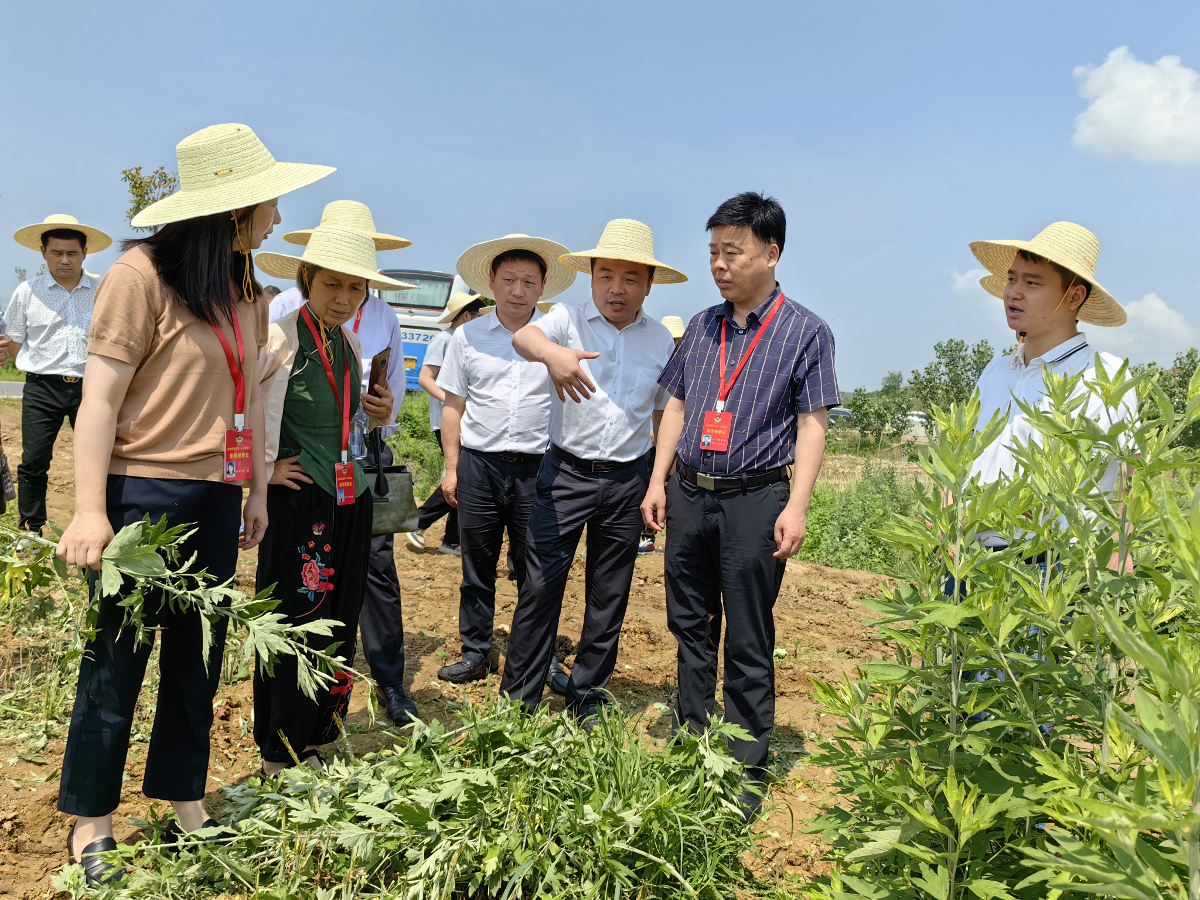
(71, 379)
(708, 482)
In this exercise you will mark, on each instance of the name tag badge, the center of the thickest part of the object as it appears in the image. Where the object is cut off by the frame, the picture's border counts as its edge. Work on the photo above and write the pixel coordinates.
(343, 482)
(239, 454)
(715, 434)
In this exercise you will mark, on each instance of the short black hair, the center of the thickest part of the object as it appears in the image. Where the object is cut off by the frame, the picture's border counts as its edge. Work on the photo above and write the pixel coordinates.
(519, 255)
(762, 215)
(651, 268)
(472, 308)
(1064, 273)
(65, 234)
(271, 291)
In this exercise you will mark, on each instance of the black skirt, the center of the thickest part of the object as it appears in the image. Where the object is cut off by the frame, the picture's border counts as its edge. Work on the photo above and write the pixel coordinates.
(315, 553)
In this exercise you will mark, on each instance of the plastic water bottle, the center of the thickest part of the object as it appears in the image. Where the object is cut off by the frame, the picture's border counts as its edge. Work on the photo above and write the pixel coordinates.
(358, 435)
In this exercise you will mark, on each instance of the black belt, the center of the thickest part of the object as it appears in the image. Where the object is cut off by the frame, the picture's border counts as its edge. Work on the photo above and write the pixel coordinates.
(593, 465)
(509, 456)
(733, 482)
(68, 379)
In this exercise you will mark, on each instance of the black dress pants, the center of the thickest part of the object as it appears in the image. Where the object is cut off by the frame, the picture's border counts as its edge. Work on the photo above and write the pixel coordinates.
(493, 496)
(45, 401)
(719, 561)
(381, 621)
(436, 506)
(112, 668)
(567, 499)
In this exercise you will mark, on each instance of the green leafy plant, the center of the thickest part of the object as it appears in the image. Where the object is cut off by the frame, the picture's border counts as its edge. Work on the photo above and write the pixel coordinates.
(147, 189)
(414, 445)
(843, 525)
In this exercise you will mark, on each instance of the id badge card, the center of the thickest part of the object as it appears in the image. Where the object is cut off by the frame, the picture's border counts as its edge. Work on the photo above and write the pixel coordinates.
(343, 483)
(239, 454)
(715, 433)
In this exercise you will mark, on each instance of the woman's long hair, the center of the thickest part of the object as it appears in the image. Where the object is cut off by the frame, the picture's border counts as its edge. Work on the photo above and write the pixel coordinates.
(195, 258)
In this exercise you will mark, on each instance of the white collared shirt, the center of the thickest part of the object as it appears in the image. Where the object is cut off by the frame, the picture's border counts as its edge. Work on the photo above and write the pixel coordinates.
(435, 355)
(508, 397)
(51, 325)
(999, 384)
(376, 330)
(615, 423)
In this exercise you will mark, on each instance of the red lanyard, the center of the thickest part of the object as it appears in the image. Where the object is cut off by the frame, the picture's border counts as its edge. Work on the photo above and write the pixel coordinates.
(762, 329)
(358, 316)
(332, 383)
(236, 369)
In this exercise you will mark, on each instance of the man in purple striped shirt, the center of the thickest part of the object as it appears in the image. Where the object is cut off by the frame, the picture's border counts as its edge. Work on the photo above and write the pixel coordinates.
(732, 510)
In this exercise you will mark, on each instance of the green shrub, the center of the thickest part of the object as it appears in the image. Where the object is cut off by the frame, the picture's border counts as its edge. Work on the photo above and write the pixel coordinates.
(414, 445)
(842, 525)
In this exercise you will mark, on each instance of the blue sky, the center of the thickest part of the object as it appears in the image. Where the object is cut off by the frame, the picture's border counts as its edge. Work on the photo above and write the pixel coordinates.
(893, 134)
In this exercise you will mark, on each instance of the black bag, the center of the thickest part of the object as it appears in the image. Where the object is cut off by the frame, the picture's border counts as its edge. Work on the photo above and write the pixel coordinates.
(392, 494)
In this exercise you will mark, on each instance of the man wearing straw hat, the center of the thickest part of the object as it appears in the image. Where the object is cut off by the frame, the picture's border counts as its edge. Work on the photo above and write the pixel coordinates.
(604, 359)
(495, 426)
(460, 310)
(382, 618)
(46, 324)
(1048, 286)
(750, 385)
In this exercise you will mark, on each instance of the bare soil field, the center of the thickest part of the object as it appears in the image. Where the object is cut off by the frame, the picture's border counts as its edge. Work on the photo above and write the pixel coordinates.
(818, 621)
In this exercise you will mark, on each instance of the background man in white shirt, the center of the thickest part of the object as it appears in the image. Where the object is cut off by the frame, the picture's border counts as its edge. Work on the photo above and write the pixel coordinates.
(494, 427)
(46, 325)
(604, 359)
(461, 309)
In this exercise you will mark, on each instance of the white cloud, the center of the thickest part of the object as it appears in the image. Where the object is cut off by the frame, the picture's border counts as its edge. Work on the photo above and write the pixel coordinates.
(966, 285)
(1150, 111)
(1154, 331)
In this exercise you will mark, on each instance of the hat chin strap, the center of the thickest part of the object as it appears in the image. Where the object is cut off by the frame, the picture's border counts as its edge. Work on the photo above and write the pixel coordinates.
(1018, 356)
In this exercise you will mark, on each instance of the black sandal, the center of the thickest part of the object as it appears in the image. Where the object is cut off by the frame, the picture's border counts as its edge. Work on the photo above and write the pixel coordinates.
(175, 834)
(95, 869)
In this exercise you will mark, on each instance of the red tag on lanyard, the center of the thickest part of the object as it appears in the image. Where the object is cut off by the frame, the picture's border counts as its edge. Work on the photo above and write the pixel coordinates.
(718, 424)
(358, 316)
(239, 440)
(343, 472)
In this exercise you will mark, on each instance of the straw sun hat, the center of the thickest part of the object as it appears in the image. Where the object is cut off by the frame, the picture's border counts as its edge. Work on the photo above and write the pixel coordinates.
(1069, 245)
(336, 249)
(628, 240)
(354, 216)
(223, 168)
(674, 324)
(459, 301)
(475, 265)
(31, 235)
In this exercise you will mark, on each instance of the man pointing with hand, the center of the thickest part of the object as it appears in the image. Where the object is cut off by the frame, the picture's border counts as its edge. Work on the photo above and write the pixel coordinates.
(604, 359)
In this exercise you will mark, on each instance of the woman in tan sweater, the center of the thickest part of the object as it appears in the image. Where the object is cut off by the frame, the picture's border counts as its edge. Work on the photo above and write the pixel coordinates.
(170, 402)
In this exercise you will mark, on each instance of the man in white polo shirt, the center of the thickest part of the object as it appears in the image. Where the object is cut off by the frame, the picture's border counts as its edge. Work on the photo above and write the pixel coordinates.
(494, 427)
(604, 359)
(1048, 286)
(46, 328)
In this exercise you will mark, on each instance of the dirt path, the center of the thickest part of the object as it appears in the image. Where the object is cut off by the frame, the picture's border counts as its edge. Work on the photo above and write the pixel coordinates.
(818, 622)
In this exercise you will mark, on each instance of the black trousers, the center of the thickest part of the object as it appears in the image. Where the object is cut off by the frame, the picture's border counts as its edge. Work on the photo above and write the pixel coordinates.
(381, 621)
(112, 668)
(315, 554)
(567, 500)
(719, 560)
(492, 496)
(436, 506)
(44, 404)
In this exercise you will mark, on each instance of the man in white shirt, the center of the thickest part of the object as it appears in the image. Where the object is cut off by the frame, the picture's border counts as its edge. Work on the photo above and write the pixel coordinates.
(460, 310)
(46, 324)
(495, 427)
(1048, 286)
(381, 620)
(604, 359)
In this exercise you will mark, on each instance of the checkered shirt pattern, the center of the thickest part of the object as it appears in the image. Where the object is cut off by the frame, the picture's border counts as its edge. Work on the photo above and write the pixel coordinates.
(791, 372)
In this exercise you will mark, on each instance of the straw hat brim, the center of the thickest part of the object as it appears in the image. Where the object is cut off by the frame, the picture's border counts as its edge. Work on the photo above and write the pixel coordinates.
(582, 262)
(382, 241)
(31, 235)
(997, 257)
(475, 265)
(280, 265)
(279, 179)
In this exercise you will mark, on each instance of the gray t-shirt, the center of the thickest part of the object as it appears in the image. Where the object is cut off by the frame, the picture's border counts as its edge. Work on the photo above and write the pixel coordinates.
(434, 354)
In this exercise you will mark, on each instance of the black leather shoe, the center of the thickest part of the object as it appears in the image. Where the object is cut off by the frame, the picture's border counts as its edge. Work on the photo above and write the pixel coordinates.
(556, 679)
(751, 800)
(219, 836)
(400, 707)
(464, 671)
(587, 714)
(95, 869)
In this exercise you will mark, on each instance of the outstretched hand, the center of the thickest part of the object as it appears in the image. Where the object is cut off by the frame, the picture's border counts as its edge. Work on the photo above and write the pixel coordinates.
(568, 375)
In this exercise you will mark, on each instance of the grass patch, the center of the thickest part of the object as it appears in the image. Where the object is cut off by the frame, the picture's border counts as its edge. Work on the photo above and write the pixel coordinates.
(414, 445)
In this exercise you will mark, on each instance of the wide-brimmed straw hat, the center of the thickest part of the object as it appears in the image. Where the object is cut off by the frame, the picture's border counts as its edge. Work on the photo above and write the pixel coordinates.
(1066, 244)
(355, 216)
(459, 301)
(628, 240)
(674, 324)
(223, 168)
(31, 235)
(336, 249)
(475, 265)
